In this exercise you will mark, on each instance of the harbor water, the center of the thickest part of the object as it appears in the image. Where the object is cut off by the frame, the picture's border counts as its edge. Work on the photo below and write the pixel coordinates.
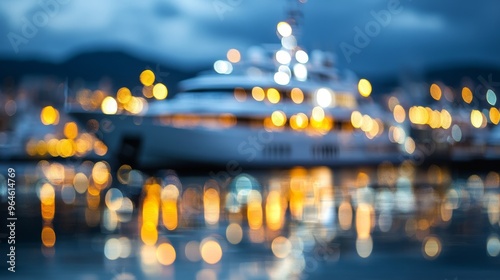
(91, 220)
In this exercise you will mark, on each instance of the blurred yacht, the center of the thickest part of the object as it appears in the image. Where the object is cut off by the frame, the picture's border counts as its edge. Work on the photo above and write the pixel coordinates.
(276, 105)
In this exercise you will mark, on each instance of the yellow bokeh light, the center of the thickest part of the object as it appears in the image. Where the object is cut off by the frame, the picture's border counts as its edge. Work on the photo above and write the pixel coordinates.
(410, 145)
(49, 115)
(48, 237)
(258, 93)
(160, 91)
(432, 247)
(494, 115)
(274, 211)
(71, 130)
(165, 253)
(297, 95)
(356, 119)
(211, 252)
(149, 233)
(364, 87)
(211, 205)
(476, 118)
(467, 95)
(124, 95)
(81, 183)
(318, 114)
(435, 92)
(299, 121)
(47, 194)
(278, 118)
(446, 119)
(273, 95)
(233, 55)
(109, 106)
(399, 113)
(100, 173)
(147, 77)
(363, 220)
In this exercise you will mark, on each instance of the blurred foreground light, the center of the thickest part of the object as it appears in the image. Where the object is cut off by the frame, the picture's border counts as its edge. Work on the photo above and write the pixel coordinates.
(240, 94)
(289, 42)
(364, 87)
(281, 78)
(364, 246)
(284, 29)
(435, 92)
(281, 247)
(160, 91)
(49, 115)
(68, 194)
(109, 106)
(324, 97)
(71, 130)
(494, 115)
(80, 182)
(399, 113)
(301, 57)
(223, 67)
(493, 246)
(112, 249)
(299, 121)
(467, 95)
(283, 57)
(211, 204)
(345, 215)
(278, 118)
(476, 118)
(456, 133)
(273, 95)
(211, 252)
(192, 251)
(233, 55)
(10, 108)
(300, 72)
(165, 253)
(113, 199)
(48, 237)
(431, 247)
(297, 95)
(147, 77)
(258, 94)
(123, 95)
(491, 97)
(234, 233)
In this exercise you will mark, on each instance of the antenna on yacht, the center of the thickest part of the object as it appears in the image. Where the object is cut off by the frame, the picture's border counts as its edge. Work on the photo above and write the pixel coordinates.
(66, 89)
(290, 58)
(295, 15)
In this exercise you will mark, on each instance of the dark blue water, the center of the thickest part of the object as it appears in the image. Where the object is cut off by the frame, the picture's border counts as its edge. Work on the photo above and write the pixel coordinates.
(87, 220)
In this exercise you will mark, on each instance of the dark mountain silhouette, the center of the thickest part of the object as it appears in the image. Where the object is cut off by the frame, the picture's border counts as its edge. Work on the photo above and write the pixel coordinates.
(121, 68)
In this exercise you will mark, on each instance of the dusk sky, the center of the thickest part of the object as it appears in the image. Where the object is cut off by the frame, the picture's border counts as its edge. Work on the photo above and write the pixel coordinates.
(192, 34)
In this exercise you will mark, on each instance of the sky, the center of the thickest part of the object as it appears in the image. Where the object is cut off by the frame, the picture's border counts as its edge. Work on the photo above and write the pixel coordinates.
(398, 34)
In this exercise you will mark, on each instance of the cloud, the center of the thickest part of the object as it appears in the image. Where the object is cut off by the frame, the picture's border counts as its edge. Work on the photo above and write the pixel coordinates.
(191, 33)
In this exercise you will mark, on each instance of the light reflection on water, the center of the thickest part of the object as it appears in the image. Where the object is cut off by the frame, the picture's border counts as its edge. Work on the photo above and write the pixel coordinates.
(261, 224)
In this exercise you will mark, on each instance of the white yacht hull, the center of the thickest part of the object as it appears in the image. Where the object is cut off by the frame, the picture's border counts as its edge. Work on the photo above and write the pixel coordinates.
(149, 144)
